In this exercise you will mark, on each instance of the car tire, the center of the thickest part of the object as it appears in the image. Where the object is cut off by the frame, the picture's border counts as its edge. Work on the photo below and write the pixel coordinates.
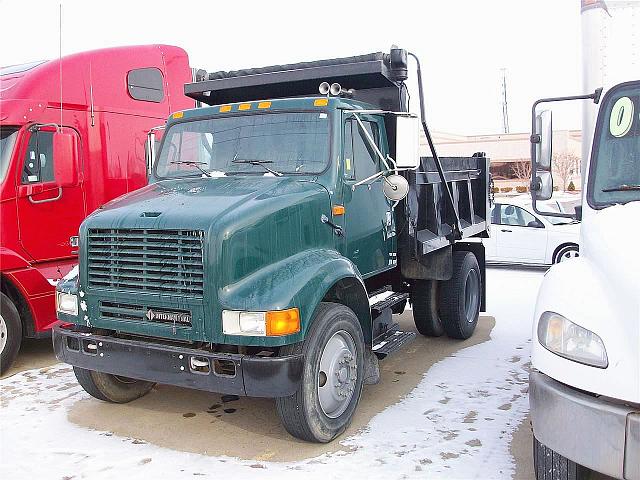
(566, 252)
(111, 388)
(10, 333)
(333, 359)
(460, 296)
(424, 301)
(550, 465)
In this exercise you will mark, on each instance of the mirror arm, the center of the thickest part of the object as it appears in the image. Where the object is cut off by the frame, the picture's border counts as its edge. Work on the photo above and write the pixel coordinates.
(372, 143)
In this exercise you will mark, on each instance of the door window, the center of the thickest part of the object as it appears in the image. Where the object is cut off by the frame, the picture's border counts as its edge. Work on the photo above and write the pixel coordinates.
(38, 162)
(360, 159)
(514, 216)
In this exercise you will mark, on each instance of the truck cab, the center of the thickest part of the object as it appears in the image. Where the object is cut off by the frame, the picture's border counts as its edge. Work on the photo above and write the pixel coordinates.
(104, 104)
(278, 235)
(585, 384)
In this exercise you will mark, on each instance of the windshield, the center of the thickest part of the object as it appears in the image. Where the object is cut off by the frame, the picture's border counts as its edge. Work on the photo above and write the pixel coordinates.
(7, 141)
(258, 144)
(615, 170)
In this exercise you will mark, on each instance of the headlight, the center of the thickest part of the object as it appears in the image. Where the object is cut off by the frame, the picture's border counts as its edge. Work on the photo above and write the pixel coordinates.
(261, 324)
(67, 303)
(571, 341)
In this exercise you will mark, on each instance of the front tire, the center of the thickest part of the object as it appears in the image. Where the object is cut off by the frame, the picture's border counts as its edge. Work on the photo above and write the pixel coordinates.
(331, 386)
(566, 252)
(10, 333)
(460, 296)
(111, 388)
(550, 465)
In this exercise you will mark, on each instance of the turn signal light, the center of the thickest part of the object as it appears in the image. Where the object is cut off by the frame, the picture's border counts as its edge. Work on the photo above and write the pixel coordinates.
(337, 210)
(283, 322)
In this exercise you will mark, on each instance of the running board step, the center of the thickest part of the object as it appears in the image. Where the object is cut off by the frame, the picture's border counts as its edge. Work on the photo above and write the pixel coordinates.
(388, 302)
(391, 341)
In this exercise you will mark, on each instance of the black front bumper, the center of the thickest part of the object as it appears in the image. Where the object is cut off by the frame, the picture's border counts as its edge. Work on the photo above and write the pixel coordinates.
(250, 375)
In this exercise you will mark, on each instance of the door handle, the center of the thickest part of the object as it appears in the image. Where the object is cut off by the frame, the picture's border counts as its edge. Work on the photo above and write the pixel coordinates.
(53, 199)
(505, 230)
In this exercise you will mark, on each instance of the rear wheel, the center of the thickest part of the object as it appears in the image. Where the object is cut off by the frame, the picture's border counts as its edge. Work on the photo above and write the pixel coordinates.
(424, 299)
(460, 296)
(10, 332)
(550, 465)
(111, 388)
(330, 390)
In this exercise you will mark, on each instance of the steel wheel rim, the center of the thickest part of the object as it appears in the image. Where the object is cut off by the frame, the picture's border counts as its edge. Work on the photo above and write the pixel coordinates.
(566, 255)
(471, 295)
(337, 374)
(3, 334)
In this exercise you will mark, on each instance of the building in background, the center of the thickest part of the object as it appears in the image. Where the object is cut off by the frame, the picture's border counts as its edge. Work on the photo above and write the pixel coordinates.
(510, 155)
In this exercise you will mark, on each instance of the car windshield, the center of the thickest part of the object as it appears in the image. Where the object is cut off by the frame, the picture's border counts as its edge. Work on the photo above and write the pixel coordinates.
(7, 141)
(615, 172)
(285, 143)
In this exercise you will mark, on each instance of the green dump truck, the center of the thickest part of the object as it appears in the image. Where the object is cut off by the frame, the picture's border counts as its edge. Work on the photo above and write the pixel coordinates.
(281, 230)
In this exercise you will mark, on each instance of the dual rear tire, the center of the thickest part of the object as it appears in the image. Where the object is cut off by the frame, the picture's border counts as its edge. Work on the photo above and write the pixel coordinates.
(451, 306)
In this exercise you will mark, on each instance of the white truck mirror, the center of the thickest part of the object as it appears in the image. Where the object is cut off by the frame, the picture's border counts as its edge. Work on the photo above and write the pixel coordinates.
(544, 132)
(545, 185)
(407, 141)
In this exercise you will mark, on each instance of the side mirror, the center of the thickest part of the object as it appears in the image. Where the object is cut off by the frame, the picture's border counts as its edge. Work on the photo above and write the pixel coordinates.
(544, 137)
(151, 147)
(395, 187)
(65, 155)
(407, 141)
(543, 188)
(535, 224)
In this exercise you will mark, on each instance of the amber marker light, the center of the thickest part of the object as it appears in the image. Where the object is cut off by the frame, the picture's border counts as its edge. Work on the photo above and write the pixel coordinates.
(244, 106)
(283, 322)
(264, 105)
(178, 115)
(225, 108)
(338, 210)
(321, 102)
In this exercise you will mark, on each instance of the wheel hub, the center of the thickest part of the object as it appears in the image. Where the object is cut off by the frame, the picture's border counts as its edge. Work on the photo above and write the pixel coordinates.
(338, 373)
(3, 334)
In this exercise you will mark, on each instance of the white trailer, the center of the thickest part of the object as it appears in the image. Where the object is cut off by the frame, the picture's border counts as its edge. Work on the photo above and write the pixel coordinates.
(585, 380)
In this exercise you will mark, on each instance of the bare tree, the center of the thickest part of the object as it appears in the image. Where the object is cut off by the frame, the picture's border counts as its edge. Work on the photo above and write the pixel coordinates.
(564, 166)
(521, 170)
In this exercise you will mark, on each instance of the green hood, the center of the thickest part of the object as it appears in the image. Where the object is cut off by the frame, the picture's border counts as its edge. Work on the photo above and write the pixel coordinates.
(247, 224)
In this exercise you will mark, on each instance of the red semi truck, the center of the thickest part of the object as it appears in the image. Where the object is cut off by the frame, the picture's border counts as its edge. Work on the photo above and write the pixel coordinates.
(104, 103)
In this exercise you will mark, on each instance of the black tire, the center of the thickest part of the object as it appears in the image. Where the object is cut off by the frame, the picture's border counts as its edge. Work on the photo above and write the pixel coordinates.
(424, 301)
(460, 296)
(550, 465)
(563, 250)
(302, 414)
(10, 333)
(111, 388)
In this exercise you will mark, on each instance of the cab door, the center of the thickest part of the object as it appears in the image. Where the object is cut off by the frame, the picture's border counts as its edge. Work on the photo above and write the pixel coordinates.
(369, 229)
(48, 213)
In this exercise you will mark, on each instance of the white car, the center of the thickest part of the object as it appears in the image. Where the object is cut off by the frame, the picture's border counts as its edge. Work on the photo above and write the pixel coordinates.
(519, 235)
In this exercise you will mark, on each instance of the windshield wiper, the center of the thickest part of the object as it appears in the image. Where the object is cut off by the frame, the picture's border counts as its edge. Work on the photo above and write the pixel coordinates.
(622, 188)
(259, 163)
(194, 164)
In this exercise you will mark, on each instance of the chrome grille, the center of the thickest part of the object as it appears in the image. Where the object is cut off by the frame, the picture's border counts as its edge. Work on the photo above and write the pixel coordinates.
(150, 261)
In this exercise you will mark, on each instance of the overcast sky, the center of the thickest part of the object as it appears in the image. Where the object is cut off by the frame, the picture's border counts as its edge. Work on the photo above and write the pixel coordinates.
(462, 44)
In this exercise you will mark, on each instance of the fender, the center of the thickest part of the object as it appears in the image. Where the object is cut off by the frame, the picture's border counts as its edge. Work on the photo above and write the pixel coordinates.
(302, 280)
(576, 290)
(10, 260)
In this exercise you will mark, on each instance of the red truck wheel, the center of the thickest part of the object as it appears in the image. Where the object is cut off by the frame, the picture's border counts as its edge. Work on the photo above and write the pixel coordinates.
(10, 332)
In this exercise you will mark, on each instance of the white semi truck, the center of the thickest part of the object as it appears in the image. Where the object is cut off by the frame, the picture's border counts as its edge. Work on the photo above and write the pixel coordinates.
(585, 380)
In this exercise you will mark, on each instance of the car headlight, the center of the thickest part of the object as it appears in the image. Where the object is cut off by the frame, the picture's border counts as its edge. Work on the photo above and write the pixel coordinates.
(261, 324)
(566, 339)
(67, 303)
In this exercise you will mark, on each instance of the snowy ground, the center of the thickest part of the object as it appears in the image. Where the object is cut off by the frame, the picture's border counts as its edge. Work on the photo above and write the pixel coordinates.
(457, 423)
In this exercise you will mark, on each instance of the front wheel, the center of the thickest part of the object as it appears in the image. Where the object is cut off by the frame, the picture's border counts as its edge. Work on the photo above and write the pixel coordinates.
(550, 465)
(10, 332)
(565, 253)
(111, 388)
(331, 386)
